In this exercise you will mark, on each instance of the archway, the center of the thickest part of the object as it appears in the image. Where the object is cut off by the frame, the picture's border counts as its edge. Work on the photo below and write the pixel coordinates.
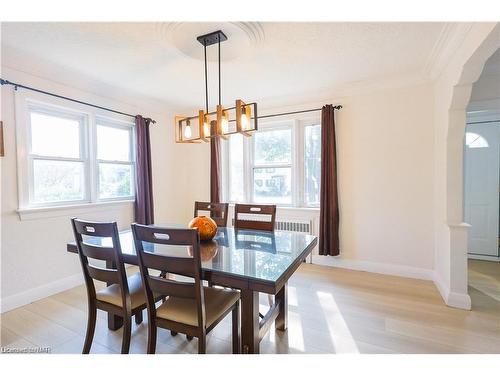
(454, 269)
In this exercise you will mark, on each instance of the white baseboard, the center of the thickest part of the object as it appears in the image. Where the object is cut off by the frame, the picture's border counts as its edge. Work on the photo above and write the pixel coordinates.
(375, 267)
(490, 258)
(42, 291)
(452, 299)
(457, 300)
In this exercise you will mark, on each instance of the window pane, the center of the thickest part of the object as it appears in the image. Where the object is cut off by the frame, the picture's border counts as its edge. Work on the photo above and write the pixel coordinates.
(47, 132)
(113, 143)
(272, 185)
(274, 146)
(236, 192)
(115, 180)
(56, 181)
(312, 164)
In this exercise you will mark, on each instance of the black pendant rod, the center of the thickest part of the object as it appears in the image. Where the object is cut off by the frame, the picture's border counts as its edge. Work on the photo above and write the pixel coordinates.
(16, 85)
(206, 78)
(219, 74)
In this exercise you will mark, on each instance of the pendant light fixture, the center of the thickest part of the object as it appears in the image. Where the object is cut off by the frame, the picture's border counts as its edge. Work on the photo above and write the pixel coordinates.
(242, 118)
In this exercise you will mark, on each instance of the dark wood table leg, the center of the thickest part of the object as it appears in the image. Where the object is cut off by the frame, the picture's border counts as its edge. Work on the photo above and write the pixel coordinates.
(281, 322)
(114, 321)
(249, 321)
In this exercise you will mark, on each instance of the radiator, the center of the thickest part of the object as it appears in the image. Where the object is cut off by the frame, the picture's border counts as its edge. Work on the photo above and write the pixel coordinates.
(294, 226)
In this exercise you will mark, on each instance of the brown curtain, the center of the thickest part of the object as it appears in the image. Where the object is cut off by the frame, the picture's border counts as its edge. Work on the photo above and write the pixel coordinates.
(215, 168)
(144, 213)
(329, 205)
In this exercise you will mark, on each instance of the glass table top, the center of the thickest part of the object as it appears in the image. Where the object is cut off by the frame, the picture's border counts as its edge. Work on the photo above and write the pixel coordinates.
(258, 255)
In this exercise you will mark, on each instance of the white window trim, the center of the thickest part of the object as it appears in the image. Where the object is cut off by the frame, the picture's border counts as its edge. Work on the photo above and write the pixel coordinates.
(302, 147)
(30, 157)
(88, 153)
(113, 123)
(287, 124)
(298, 125)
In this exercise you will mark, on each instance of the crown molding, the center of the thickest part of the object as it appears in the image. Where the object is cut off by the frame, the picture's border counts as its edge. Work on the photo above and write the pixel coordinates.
(449, 40)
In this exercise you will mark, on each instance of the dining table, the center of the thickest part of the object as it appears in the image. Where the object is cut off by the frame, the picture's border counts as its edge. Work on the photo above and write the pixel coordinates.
(250, 261)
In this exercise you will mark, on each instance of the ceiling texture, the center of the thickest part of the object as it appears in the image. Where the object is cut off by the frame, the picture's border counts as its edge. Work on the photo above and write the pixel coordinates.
(261, 61)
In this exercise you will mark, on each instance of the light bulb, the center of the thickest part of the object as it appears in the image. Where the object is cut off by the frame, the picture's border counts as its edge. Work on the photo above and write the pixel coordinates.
(244, 122)
(225, 125)
(206, 129)
(187, 131)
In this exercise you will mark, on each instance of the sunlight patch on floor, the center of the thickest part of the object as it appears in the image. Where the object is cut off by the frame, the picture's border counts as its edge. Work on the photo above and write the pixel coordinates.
(339, 331)
(294, 337)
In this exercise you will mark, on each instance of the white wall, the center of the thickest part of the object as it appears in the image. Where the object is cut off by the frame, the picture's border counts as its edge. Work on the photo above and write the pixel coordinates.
(385, 156)
(487, 87)
(34, 261)
(385, 177)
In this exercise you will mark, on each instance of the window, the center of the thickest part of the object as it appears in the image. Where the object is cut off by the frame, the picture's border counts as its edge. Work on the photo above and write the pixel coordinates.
(114, 156)
(272, 166)
(280, 164)
(72, 156)
(57, 168)
(473, 140)
(312, 164)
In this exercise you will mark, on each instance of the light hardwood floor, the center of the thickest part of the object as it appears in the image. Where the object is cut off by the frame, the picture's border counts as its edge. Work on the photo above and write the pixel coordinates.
(331, 310)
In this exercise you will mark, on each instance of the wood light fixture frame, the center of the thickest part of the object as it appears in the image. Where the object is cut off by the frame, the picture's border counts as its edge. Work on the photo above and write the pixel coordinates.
(239, 110)
(243, 112)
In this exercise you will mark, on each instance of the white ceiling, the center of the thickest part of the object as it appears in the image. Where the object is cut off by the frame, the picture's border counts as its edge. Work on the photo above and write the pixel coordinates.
(261, 60)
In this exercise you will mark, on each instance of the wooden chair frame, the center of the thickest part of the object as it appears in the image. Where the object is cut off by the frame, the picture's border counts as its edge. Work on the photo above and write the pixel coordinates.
(218, 211)
(190, 267)
(112, 255)
(254, 209)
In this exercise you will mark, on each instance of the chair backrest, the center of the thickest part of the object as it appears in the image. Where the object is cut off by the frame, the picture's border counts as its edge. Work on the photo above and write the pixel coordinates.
(254, 216)
(185, 266)
(89, 247)
(218, 211)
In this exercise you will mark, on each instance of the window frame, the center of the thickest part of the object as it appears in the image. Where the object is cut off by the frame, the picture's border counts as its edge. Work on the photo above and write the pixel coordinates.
(35, 107)
(122, 125)
(28, 102)
(266, 127)
(298, 125)
(304, 125)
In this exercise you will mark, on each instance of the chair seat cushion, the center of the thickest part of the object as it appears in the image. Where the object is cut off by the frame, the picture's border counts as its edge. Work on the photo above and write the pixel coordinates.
(112, 293)
(185, 311)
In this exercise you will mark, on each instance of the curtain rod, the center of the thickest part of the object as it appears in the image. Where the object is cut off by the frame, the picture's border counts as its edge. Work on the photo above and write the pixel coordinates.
(337, 107)
(16, 85)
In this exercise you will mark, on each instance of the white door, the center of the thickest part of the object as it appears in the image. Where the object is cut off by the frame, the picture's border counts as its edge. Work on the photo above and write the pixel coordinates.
(481, 176)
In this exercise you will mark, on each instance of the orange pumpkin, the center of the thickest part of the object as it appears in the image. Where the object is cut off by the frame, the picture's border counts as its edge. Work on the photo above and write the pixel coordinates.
(207, 228)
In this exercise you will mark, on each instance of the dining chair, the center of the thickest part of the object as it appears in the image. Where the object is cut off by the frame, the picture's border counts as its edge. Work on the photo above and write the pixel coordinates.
(190, 308)
(124, 296)
(254, 216)
(218, 211)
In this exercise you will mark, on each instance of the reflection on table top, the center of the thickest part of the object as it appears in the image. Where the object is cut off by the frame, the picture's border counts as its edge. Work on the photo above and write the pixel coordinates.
(258, 255)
